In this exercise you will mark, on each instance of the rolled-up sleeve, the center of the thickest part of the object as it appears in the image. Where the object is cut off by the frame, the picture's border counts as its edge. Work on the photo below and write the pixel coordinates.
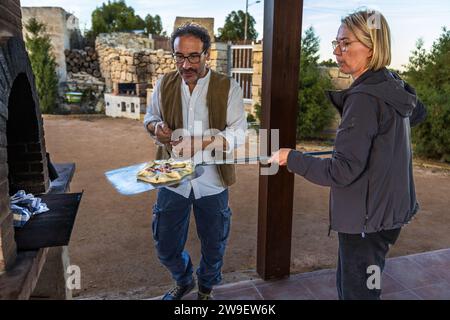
(153, 112)
(354, 137)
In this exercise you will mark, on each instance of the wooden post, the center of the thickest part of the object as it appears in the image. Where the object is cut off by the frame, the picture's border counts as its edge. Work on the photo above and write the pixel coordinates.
(281, 62)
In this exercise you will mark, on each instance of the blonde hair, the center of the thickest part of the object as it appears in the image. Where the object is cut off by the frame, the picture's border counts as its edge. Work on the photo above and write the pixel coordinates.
(372, 30)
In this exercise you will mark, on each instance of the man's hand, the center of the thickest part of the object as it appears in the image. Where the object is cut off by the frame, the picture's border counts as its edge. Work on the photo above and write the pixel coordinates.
(280, 157)
(186, 146)
(162, 132)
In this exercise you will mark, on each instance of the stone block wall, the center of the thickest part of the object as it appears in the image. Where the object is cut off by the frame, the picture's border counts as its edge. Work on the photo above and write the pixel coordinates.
(218, 57)
(134, 62)
(257, 75)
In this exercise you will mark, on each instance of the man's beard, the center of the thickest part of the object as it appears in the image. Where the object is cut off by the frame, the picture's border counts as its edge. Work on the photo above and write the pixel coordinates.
(190, 74)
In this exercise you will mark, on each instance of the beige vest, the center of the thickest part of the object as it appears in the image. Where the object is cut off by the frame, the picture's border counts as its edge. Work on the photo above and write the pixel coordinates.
(216, 99)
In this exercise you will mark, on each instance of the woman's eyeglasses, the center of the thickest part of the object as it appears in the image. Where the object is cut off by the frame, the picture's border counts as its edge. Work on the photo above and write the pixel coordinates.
(193, 58)
(343, 44)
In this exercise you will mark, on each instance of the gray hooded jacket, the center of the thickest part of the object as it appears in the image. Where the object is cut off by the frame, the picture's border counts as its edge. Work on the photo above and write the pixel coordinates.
(370, 172)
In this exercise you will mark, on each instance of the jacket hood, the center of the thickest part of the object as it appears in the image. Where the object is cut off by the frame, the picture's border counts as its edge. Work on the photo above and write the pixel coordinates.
(382, 84)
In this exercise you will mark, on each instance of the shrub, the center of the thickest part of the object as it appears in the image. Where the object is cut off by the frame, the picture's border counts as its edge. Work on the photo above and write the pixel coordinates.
(250, 118)
(429, 73)
(43, 64)
(315, 111)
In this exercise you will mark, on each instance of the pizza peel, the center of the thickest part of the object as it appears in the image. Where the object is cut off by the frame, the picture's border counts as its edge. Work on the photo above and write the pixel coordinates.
(124, 179)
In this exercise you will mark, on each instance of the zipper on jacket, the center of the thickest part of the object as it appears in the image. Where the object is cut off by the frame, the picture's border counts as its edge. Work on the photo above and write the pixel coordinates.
(329, 219)
(363, 234)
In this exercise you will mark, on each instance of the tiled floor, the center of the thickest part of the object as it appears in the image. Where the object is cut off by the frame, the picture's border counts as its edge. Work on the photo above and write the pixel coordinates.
(423, 276)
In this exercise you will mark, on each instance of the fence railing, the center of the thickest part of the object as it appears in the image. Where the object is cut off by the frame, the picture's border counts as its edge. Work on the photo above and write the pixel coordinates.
(240, 67)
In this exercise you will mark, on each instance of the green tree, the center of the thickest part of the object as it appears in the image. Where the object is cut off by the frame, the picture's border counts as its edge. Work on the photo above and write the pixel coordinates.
(429, 73)
(43, 64)
(328, 63)
(233, 29)
(153, 25)
(315, 111)
(115, 16)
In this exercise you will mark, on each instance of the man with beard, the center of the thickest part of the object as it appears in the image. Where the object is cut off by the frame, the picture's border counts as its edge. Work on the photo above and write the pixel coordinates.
(207, 108)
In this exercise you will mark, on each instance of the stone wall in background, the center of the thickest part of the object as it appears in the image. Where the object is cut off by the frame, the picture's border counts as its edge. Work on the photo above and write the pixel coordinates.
(257, 76)
(126, 58)
(219, 61)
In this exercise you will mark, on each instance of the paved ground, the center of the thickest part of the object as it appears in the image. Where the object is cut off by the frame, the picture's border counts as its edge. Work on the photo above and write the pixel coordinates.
(111, 240)
(421, 276)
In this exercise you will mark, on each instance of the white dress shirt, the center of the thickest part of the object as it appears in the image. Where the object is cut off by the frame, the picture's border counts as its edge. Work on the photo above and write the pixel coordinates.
(196, 121)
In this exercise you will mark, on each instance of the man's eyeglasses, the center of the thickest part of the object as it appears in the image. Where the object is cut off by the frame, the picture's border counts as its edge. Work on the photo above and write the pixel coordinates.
(343, 44)
(193, 58)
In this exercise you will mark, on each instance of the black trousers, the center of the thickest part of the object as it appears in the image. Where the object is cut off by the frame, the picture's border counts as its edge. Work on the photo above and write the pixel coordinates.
(358, 257)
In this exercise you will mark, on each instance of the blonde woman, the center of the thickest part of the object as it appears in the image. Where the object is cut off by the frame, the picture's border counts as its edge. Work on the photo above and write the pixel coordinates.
(370, 173)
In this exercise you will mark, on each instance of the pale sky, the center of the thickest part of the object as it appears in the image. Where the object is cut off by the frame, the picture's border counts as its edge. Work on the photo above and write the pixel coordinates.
(408, 21)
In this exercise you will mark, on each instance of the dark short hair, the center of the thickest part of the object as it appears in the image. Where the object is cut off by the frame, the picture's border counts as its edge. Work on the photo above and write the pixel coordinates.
(192, 29)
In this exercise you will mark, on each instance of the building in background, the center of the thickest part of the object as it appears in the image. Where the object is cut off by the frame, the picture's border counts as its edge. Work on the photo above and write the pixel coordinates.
(63, 29)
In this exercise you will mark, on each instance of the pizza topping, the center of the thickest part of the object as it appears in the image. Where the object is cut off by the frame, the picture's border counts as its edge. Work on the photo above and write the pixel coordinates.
(163, 171)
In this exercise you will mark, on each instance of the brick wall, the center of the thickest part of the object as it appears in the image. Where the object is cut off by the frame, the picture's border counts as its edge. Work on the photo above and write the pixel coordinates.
(10, 19)
(23, 163)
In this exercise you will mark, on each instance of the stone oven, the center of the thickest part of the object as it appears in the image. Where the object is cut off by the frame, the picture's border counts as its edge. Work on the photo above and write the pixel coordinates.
(24, 165)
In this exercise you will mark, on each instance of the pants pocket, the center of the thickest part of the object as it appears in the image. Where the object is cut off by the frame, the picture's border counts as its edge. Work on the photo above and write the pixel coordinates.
(226, 223)
(156, 212)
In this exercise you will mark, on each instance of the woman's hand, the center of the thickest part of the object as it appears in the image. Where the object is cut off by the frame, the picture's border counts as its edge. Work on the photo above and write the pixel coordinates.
(280, 157)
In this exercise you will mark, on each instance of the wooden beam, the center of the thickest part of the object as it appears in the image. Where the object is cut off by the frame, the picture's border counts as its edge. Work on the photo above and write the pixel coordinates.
(281, 62)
